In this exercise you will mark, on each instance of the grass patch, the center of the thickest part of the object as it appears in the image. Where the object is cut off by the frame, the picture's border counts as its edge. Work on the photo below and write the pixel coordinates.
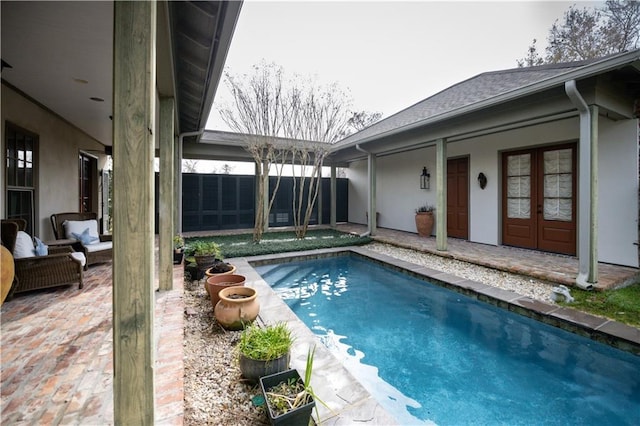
(622, 305)
(242, 245)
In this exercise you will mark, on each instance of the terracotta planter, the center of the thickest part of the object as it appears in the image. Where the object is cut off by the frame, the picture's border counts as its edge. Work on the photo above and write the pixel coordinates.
(253, 369)
(238, 307)
(424, 223)
(208, 272)
(214, 284)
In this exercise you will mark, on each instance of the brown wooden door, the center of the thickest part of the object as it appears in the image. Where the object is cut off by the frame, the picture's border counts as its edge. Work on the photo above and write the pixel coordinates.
(539, 202)
(458, 198)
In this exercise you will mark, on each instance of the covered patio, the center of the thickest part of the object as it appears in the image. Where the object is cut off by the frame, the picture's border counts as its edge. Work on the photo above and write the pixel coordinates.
(57, 345)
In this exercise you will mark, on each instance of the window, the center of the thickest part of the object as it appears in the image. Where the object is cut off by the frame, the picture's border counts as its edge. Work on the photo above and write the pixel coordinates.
(87, 170)
(21, 174)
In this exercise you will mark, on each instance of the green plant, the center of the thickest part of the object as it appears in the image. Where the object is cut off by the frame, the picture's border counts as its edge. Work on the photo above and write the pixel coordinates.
(241, 245)
(178, 242)
(205, 248)
(293, 394)
(619, 304)
(266, 343)
(425, 208)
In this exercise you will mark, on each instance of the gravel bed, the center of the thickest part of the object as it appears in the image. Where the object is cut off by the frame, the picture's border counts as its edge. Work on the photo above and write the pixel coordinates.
(214, 392)
(526, 286)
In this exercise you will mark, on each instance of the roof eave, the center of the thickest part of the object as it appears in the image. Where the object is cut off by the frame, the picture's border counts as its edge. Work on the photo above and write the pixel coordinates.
(605, 65)
(219, 57)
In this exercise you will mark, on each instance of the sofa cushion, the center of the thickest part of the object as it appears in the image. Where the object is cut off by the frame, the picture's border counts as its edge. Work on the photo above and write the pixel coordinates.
(24, 246)
(105, 245)
(41, 248)
(79, 256)
(79, 229)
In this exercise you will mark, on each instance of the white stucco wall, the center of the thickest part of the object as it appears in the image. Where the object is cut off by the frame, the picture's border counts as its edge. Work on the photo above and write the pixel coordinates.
(57, 158)
(357, 175)
(398, 191)
(618, 192)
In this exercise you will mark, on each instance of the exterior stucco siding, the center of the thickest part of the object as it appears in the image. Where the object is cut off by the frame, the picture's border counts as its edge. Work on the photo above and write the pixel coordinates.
(399, 194)
(618, 191)
(57, 158)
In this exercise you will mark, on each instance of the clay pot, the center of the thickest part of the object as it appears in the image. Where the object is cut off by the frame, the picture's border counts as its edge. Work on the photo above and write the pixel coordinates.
(424, 223)
(215, 283)
(238, 307)
(208, 272)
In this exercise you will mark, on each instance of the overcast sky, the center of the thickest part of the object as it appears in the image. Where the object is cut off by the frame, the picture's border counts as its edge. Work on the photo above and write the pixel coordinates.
(389, 55)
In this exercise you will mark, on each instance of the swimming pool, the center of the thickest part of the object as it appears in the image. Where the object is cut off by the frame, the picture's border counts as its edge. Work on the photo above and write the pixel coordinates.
(429, 354)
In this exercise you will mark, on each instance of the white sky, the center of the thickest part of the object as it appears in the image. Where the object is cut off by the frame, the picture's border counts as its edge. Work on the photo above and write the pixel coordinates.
(390, 55)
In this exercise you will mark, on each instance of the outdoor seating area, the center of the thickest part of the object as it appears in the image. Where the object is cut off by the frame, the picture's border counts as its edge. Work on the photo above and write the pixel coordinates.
(39, 267)
(81, 230)
(66, 336)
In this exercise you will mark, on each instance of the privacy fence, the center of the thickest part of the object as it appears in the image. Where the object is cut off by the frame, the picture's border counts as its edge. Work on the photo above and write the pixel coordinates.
(212, 201)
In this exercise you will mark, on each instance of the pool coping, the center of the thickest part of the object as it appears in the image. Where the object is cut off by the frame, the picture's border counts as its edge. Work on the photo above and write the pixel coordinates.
(349, 401)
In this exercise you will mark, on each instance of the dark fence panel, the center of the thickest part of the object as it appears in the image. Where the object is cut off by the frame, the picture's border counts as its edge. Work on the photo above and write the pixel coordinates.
(212, 202)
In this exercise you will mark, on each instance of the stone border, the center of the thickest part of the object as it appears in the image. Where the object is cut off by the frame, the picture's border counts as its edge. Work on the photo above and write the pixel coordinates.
(347, 398)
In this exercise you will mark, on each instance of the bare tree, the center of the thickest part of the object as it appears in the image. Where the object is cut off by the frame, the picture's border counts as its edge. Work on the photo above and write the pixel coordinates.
(361, 119)
(309, 156)
(285, 120)
(259, 113)
(533, 58)
(189, 166)
(227, 169)
(590, 33)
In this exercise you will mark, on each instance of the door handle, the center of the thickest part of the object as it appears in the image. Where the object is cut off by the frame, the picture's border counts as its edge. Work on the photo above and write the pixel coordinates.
(539, 210)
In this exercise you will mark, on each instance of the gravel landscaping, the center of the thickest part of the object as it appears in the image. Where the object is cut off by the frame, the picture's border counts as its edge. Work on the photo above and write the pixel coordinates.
(214, 391)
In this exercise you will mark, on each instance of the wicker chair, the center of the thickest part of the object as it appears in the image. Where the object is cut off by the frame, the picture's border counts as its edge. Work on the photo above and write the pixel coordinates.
(95, 253)
(58, 268)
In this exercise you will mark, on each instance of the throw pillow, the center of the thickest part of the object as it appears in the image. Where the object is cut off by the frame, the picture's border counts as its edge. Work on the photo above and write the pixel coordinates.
(24, 246)
(77, 226)
(85, 238)
(41, 248)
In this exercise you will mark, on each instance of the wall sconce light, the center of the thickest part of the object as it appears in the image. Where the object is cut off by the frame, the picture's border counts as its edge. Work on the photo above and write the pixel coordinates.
(425, 177)
(482, 180)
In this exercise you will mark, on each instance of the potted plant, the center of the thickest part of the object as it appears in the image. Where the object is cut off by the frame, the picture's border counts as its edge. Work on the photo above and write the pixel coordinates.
(289, 399)
(424, 220)
(214, 284)
(238, 307)
(178, 249)
(264, 351)
(205, 253)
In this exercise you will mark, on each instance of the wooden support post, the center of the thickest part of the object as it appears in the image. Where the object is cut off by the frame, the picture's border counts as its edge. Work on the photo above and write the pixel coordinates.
(134, 78)
(333, 196)
(177, 211)
(373, 209)
(167, 193)
(319, 200)
(441, 194)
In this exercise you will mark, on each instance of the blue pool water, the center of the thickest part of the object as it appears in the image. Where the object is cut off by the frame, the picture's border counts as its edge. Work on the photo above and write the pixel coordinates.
(428, 354)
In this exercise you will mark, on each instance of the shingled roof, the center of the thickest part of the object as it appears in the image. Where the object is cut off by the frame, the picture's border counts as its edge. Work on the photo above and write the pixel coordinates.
(476, 89)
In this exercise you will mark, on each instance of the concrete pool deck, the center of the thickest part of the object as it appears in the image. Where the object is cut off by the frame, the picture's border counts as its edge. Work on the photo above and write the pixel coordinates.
(350, 403)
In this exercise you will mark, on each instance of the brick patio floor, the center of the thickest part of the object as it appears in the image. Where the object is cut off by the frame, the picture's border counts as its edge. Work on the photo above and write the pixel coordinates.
(57, 365)
(56, 345)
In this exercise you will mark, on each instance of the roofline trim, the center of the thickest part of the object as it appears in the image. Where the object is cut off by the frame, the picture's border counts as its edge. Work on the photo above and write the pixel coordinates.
(587, 71)
(221, 45)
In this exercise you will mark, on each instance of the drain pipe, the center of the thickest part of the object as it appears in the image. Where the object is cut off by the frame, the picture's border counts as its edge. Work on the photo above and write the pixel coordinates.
(179, 176)
(587, 189)
(371, 189)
